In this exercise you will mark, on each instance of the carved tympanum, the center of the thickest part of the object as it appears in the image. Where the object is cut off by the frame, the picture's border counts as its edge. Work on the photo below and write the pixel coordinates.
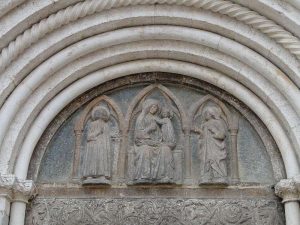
(160, 139)
(212, 146)
(136, 133)
(154, 140)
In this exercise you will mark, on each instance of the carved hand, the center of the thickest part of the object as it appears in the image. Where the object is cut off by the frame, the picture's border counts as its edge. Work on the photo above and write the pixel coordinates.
(197, 130)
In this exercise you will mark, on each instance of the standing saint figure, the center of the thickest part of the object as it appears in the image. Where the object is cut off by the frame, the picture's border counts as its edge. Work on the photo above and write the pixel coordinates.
(165, 163)
(97, 160)
(212, 145)
(147, 139)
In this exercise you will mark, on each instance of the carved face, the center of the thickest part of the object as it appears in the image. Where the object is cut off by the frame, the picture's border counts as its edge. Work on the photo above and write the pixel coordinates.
(95, 115)
(100, 113)
(103, 114)
(212, 112)
(153, 109)
(151, 106)
(208, 115)
(166, 113)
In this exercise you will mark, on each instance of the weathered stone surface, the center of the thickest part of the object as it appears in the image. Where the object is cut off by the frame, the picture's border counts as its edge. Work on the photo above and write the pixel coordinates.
(15, 189)
(184, 148)
(147, 211)
(161, 137)
(56, 50)
(289, 189)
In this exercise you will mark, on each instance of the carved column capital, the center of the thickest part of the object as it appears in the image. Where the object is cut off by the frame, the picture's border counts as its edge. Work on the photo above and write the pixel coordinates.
(288, 189)
(16, 189)
(24, 190)
(7, 182)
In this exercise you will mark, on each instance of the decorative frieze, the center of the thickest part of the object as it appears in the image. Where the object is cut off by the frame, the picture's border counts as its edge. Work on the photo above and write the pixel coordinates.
(147, 211)
(289, 189)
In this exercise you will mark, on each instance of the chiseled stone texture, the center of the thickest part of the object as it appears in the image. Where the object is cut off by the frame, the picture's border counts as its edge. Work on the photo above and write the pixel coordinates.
(149, 211)
(55, 50)
(289, 189)
(258, 155)
(64, 200)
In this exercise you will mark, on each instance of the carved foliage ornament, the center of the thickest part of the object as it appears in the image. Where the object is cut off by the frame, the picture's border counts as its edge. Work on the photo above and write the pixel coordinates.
(154, 211)
(289, 189)
(17, 189)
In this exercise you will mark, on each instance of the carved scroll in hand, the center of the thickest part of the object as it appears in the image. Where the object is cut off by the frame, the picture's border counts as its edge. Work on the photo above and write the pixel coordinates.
(97, 160)
(154, 140)
(212, 146)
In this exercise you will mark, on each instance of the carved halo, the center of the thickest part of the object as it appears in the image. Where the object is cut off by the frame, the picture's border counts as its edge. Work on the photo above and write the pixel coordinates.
(87, 112)
(203, 101)
(169, 96)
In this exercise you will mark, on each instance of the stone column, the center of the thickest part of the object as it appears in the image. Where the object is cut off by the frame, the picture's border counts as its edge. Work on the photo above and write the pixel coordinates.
(6, 194)
(23, 191)
(289, 191)
(234, 157)
(76, 158)
(234, 129)
(187, 157)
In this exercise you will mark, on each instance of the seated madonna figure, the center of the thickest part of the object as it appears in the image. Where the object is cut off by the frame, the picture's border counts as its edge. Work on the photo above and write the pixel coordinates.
(147, 139)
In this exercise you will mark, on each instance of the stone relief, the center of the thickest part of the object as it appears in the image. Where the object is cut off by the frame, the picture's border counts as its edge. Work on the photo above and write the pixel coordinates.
(144, 211)
(212, 146)
(98, 147)
(98, 138)
(152, 136)
(154, 140)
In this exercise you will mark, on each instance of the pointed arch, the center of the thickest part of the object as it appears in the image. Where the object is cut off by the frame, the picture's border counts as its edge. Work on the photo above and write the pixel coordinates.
(166, 93)
(79, 126)
(228, 116)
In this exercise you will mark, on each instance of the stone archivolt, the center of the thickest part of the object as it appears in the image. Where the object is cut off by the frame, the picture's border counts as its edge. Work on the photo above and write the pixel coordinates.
(21, 134)
(278, 107)
(82, 9)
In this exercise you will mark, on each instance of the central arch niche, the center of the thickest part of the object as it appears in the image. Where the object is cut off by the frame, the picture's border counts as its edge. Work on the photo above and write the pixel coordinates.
(156, 148)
